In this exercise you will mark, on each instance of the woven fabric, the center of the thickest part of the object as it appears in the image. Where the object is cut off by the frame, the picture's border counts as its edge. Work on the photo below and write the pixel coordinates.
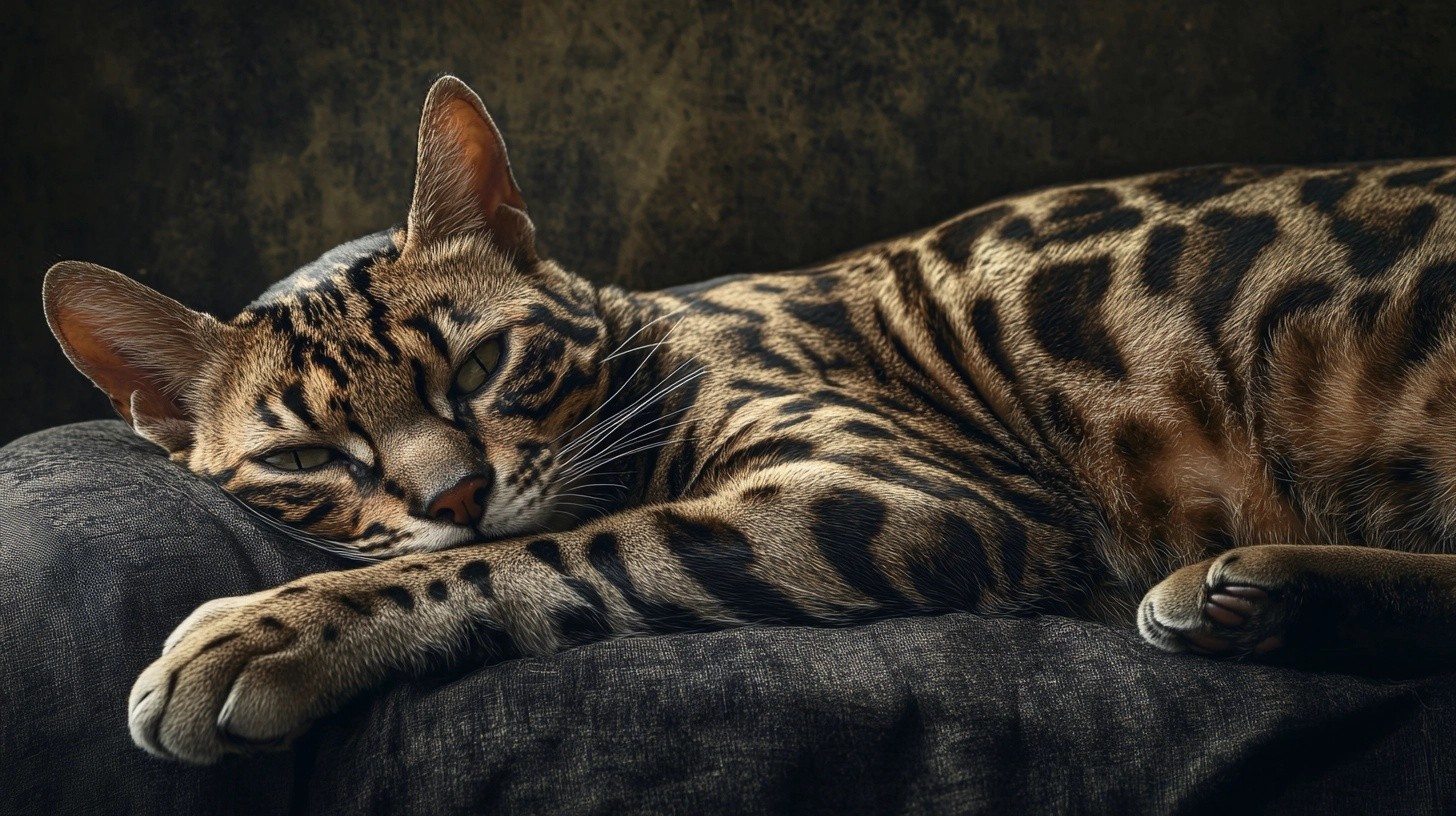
(105, 546)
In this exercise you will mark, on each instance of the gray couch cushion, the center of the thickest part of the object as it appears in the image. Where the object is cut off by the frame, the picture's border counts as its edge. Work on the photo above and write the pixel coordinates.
(105, 546)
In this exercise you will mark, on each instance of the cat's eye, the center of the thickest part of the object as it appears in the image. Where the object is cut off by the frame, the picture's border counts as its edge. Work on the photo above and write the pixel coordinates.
(301, 458)
(476, 369)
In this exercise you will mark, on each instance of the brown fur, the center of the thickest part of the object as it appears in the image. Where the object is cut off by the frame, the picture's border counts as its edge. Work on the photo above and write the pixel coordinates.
(1057, 402)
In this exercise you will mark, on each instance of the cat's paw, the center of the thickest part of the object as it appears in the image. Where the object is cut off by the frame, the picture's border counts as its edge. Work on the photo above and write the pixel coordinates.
(1237, 605)
(239, 674)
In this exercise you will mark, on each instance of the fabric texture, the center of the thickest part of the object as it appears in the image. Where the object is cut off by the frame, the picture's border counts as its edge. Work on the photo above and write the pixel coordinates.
(105, 546)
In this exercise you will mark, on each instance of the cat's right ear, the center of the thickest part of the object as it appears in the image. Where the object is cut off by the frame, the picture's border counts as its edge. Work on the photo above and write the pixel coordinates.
(144, 349)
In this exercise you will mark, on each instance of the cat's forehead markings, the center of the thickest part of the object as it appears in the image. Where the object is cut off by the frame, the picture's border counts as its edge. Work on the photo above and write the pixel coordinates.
(295, 401)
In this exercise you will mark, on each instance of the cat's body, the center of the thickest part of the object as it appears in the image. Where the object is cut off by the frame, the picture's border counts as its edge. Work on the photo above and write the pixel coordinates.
(1051, 403)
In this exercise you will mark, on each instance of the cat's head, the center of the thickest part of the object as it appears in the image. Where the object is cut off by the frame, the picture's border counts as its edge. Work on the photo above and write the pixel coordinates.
(406, 392)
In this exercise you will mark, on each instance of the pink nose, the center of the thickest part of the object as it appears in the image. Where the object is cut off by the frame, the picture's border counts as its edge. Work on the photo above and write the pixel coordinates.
(462, 504)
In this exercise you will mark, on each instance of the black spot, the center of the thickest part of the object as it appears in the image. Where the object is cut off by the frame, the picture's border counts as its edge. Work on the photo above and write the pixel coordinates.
(355, 605)
(421, 380)
(1072, 230)
(270, 622)
(956, 241)
(1194, 186)
(865, 430)
(986, 325)
(1286, 478)
(843, 525)
(361, 282)
(719, 557)
(1324, 193)
(831, 317)
(267, 415)
(321, 359)
(294, 401)
(318, 513)
(1064, 418)
(580, 334)
(424, 325)
(1365, 310)
(576, 308)
(1200, 396)
(1065, 301)
(477, 573)
(1017, 229)
(762, 389)
(399, 595)
(330, 633)
(1083, 202)
(438, 590)
(1374, 248)
(1138, 443)
(763, 494)
(762, 454)
(684, 465)
(1160, 259)
(1294, 299)
(660, 616)
(1415, 178)
(952, 574)
(802, 405)
(1241, 239)
(1435, 294)
(548, 552)
(750, 343)
(582, 624)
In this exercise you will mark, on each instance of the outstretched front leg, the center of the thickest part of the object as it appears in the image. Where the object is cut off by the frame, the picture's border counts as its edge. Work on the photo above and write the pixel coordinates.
(1353, 608)
(802, 543)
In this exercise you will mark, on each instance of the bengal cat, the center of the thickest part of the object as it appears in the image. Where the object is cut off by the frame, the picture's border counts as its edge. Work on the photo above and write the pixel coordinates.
(1240, 382)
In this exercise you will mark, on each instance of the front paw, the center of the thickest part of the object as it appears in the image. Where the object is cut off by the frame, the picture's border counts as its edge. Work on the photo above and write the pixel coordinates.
(1236, 605)
(239, 674)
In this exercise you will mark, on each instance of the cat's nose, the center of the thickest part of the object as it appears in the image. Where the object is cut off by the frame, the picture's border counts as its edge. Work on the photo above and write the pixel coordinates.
(462, 504)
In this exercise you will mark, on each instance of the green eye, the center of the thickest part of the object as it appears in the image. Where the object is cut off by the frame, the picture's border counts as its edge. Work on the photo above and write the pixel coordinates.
(473, 373)
(301, 458)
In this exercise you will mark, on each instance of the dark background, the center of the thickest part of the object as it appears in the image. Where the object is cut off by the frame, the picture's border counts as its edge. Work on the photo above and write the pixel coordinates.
(209, 152)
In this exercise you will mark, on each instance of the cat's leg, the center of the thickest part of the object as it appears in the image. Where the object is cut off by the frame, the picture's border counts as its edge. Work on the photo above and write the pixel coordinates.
(1351, 608)
(803, 543)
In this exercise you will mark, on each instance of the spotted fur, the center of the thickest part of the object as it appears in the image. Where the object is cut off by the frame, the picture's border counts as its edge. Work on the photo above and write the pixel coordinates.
(1049, 404)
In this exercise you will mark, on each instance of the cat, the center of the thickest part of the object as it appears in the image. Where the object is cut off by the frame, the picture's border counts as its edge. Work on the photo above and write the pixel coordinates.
(1215, 402)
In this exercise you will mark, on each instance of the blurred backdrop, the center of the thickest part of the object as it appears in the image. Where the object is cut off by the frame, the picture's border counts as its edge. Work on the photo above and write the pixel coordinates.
(209, 151)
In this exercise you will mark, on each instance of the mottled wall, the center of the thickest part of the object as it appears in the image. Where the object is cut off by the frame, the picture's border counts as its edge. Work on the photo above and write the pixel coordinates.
(209, 152)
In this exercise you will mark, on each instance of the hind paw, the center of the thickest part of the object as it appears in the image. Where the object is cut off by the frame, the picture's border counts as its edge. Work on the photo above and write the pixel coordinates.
(1236, 605)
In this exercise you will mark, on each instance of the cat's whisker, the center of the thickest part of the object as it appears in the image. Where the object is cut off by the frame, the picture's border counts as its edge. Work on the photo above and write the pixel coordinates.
(327, 545)
(586, 466)
(600, 452)
(635, 437)
(569, 456)
(657, 392)
(625, 383)
(614, 421)
(618, 350)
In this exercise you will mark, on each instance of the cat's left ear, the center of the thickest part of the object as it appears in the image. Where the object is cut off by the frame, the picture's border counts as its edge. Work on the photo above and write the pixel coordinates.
(463, 182)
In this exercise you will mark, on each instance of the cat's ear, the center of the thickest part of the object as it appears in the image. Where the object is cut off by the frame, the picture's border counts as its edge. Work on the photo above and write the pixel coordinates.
(463, 182)
(142, 348)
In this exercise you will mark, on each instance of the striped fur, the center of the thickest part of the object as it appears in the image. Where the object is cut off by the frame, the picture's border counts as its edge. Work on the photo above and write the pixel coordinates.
(1049, 404)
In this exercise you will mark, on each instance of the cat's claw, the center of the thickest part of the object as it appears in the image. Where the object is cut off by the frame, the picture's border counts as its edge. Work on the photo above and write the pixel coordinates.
(1230, 606)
